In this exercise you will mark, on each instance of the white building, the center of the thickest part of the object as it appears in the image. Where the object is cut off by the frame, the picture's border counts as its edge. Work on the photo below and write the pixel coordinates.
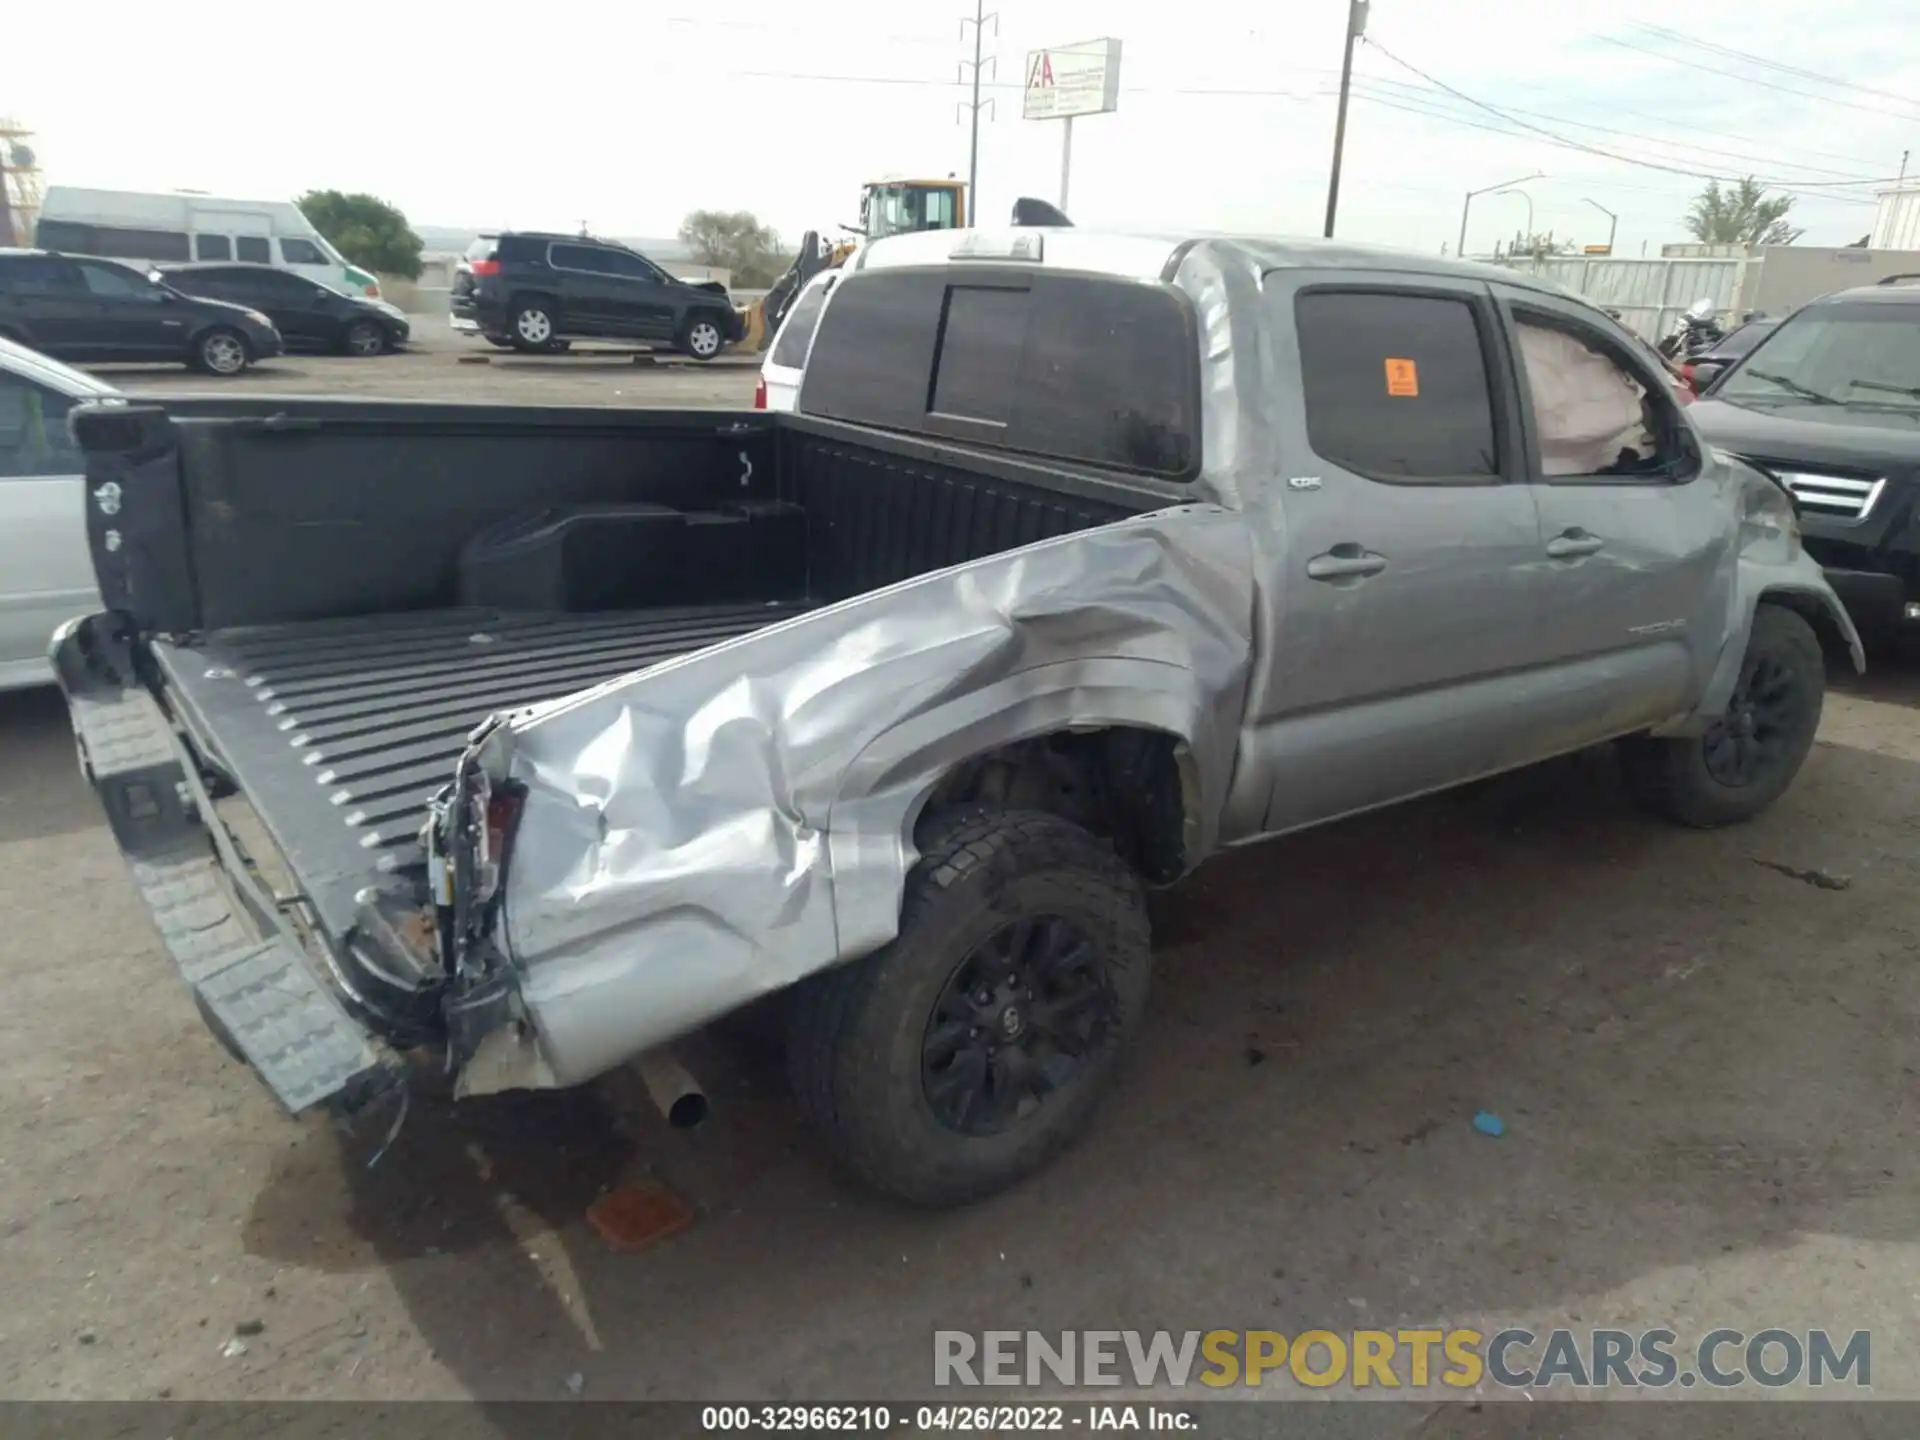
(1896, 223)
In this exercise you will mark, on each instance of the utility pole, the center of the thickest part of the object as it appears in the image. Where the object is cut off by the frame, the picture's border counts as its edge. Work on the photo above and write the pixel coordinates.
(978, 20)
(1356, 27)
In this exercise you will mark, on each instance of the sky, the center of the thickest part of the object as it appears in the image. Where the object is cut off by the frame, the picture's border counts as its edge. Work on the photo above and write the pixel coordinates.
(627, 116)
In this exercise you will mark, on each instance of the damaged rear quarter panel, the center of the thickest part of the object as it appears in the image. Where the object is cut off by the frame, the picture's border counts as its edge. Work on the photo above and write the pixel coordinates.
(711, 830)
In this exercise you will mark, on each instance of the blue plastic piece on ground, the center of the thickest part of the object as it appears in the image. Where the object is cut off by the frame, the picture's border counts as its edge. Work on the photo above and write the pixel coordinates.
(1488, 1123)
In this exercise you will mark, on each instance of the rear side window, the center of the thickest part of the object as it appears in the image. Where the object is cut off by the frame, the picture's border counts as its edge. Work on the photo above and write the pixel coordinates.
(33, 431)
(1082, 368)
(1396, 385)
(296, 251)
(114, 241)
(212, 247)
(790, 349)
(597, 260)
(522, 247)
(482, 249)
(65, 235)
(114, 282)
(38, 275)
(253, 249)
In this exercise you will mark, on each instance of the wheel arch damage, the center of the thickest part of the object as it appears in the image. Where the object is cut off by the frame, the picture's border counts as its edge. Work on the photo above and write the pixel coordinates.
(694, 836)
(1797, 586)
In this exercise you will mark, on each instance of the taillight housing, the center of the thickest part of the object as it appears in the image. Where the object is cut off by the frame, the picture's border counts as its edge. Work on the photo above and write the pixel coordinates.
(484, 267)
(760, 394)
(503, 813)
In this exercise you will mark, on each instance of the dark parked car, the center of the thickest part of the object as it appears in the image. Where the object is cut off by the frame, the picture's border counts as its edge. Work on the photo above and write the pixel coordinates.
(77, 308)
(1830, 404)
(309, 315)
(529, 290)
(1736, 344)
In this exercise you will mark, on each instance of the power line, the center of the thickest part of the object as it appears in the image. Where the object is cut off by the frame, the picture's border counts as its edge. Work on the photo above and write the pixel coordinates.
(960, 84)
(1664, 33)
(1723, 134)
(706, 22)
(1751, 80)
(1624, 134)
(1532, 133)
(1579, 145)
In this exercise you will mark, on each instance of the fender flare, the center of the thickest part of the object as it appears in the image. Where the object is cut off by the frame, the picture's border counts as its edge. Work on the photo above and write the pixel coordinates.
(884, 789)
(1757, 590)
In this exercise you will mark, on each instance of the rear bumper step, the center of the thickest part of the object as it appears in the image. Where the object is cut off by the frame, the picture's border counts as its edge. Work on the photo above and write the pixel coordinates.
(254, 981)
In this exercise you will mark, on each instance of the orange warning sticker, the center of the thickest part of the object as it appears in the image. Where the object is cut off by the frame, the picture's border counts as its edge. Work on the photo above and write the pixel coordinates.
(1403, 377)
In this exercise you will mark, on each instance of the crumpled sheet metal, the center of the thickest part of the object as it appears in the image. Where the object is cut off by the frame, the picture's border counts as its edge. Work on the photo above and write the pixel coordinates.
(1753, 578)
(711, 830)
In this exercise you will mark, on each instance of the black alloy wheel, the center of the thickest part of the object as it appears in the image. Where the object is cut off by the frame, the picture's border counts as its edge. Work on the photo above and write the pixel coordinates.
(1019, 1019)
(1762, 721)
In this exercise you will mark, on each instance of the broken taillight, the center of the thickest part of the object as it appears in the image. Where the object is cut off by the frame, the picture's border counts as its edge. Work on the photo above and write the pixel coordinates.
(503, 814)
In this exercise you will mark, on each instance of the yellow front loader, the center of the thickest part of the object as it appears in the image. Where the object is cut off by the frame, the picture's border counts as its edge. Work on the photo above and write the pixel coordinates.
(887, 207)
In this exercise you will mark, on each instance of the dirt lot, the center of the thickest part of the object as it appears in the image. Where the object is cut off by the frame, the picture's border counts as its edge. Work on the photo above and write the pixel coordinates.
(1706, 1067)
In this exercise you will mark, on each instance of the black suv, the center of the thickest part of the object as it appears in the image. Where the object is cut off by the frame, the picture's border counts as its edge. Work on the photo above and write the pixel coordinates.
(74, 307)
(531, 290)
(1829, 402)
(309, 315)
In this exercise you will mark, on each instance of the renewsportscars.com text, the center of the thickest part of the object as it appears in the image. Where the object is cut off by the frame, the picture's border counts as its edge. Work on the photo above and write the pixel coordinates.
(1404, 1359)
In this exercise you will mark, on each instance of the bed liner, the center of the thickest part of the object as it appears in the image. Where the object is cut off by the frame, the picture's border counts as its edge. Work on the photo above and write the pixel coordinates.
(339, 731)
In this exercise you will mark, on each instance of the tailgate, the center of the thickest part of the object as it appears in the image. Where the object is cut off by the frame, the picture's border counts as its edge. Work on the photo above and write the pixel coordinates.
(258, 986)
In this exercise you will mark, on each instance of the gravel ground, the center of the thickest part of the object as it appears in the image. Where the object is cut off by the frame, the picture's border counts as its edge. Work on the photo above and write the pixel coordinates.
(1706, 1067)
(442, 365)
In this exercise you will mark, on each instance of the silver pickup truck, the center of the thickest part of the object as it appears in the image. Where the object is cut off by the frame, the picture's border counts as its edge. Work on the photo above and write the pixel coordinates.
(1083, 557)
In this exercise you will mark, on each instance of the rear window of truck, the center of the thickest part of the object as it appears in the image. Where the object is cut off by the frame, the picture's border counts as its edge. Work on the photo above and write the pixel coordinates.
(1083, 368)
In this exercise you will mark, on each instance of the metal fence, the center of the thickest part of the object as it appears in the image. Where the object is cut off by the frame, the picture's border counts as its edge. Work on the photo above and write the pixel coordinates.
(1649, 294)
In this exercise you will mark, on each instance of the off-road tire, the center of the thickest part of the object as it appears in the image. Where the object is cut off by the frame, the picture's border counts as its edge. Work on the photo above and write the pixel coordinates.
(856, 1033)
(1671, 777)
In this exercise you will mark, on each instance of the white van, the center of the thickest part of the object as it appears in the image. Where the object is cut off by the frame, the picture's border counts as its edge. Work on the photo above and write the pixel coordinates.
(149, 228)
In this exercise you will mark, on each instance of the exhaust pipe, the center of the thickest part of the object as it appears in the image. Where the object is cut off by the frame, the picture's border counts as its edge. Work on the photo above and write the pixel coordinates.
(677, 1094)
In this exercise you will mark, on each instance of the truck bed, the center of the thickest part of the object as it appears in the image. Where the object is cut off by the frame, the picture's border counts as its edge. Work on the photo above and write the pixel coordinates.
(339, 731)
(319, 601)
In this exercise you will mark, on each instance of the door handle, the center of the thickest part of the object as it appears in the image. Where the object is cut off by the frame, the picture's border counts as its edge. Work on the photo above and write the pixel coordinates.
(1345, 561)
(1572, 544)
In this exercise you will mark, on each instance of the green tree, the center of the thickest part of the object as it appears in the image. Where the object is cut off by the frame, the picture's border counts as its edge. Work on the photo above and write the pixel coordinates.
(1741, 214)
(368, 231)
(735, 240)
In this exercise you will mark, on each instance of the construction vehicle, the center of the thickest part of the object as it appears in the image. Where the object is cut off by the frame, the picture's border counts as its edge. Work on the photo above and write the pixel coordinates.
(887, 207)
